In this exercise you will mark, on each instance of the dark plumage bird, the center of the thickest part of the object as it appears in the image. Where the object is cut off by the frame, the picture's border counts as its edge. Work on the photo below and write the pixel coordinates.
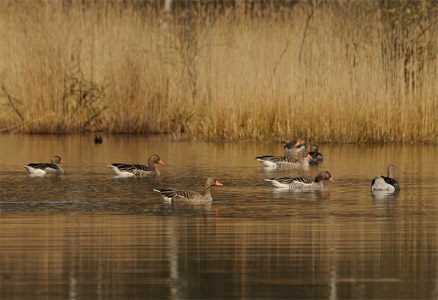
(316, 156)
(98, 140)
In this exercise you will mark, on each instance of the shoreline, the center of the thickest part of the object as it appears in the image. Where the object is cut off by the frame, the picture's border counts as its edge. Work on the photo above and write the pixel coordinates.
(168, 137)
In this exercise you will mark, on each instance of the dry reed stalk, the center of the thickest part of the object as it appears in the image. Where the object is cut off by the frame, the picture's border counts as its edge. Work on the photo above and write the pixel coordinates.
(324, 72)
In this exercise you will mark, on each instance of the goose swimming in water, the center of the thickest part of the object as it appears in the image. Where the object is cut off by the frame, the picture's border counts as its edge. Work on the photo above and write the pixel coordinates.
(294, 149)
(301, 161)
(129, 170)
(386, 183)
(301, 183)
(43, 169)
(316, 156)
(186, 196)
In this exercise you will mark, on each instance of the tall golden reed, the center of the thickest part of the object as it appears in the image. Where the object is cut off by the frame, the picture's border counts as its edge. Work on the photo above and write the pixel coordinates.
(328, 71)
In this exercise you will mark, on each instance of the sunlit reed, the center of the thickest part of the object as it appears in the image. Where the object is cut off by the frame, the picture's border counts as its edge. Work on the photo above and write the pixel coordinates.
(329, 71)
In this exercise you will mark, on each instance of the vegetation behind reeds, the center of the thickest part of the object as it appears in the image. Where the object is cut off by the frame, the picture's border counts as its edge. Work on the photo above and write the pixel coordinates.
(353, 71)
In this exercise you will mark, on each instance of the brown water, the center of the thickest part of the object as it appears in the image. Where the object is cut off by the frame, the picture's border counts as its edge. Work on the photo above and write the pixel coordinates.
(88, 235)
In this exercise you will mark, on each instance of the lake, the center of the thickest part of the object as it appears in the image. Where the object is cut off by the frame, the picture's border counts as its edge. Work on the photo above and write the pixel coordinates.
(89, 235)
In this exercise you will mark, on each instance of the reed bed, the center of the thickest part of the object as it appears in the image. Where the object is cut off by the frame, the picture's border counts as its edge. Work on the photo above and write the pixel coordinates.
(327, 71)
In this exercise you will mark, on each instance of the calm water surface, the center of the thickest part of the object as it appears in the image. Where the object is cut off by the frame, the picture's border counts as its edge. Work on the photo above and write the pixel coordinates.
(88, 235)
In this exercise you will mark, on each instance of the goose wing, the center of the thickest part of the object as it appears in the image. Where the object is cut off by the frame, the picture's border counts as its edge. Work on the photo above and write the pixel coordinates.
(131, 167)
(47, 168)
(392, 182)
(174, 195)
(293, 180)
(317, 156)
(267, 157)
(142, 168)
(277, 159)
(44, 166)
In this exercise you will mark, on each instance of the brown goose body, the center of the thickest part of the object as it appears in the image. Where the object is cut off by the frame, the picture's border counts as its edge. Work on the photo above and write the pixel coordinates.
(129, 170)
(186, 196)
(301, 161)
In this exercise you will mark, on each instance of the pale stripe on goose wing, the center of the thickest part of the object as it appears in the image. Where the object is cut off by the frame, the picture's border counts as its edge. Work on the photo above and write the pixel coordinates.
(289, 180)
(44, 166)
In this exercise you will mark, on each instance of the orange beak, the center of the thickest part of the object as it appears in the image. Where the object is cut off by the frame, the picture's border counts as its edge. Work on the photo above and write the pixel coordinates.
(218, 183)
(308, 155)
(331, 180)
(160, 162)
(62, 162)
(297, 144)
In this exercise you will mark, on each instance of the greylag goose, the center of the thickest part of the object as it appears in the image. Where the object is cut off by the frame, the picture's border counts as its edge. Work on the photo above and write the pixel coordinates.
(129, 170)
(270, 161)
(294, 149)
(316, 156)
(43, 169)
(301, 183)
(386, 183)
(186, 196)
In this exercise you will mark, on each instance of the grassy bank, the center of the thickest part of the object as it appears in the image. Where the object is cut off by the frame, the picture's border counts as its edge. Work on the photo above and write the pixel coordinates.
(329, 71)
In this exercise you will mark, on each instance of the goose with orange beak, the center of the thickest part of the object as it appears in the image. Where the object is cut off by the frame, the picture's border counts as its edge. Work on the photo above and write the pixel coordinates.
(186, 196)
(293, 149)
(130, 170)
(44, 169)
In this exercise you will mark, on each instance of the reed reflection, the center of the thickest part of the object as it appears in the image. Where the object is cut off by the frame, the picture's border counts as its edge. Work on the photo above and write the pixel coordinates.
(89, 235)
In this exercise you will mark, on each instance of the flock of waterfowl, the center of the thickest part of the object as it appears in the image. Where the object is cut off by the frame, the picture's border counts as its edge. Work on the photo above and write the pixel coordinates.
(296, 157)
(133, 170)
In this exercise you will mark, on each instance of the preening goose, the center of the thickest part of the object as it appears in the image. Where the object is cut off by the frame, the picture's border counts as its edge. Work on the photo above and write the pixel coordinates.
(386, 183)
